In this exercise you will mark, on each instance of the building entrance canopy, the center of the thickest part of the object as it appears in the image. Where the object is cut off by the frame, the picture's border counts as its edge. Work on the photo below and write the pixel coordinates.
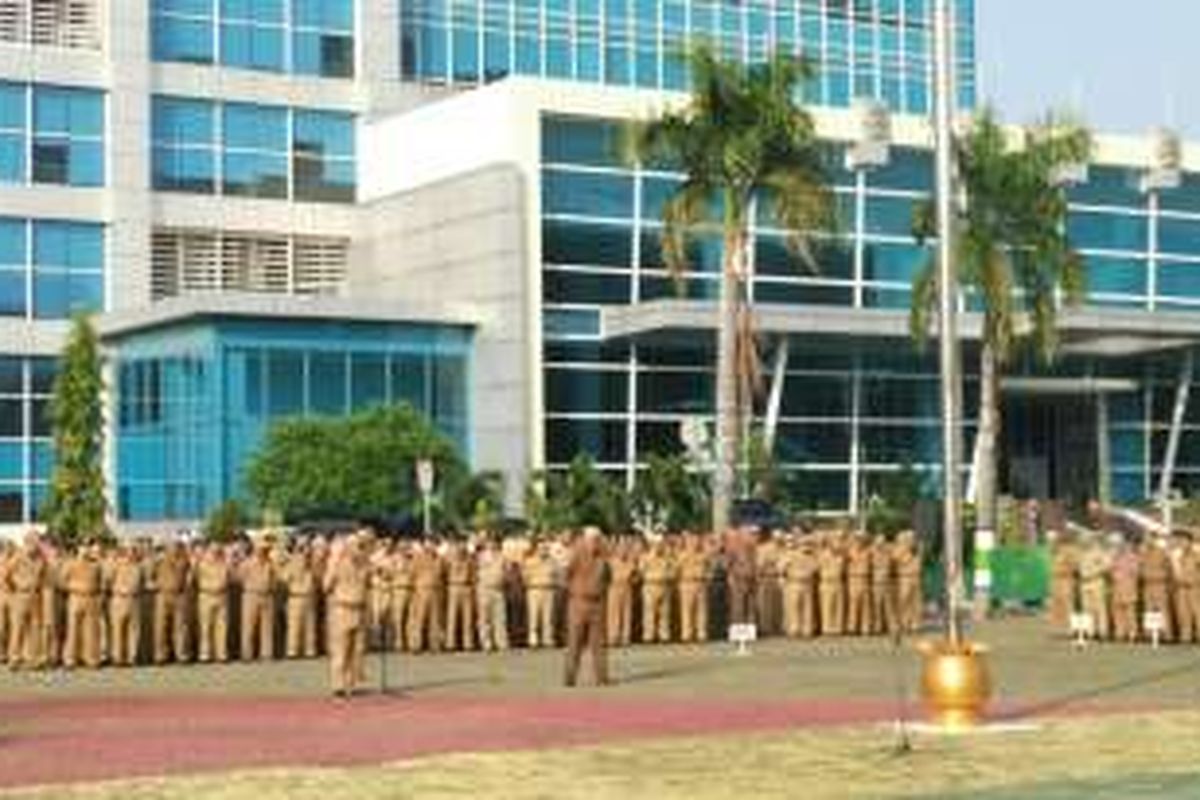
(1115, 333)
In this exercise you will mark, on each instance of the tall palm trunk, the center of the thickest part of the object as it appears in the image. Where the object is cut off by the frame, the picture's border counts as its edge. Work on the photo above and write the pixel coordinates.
(728, 422)
(985, 479)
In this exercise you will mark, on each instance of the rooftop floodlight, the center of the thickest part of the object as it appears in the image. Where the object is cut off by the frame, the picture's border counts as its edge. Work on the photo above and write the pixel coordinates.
(871, 148)
(1165, 170)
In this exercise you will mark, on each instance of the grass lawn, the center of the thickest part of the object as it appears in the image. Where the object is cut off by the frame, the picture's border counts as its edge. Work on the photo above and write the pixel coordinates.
(1151, 755)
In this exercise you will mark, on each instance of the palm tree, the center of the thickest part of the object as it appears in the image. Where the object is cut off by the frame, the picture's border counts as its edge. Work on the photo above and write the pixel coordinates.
(742, 137)
(1015, 263)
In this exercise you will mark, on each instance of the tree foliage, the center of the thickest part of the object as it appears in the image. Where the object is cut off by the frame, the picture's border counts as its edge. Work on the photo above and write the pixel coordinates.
(225, 522)
(358, 466)
(742, 138)
(668, 496)
(76, 509)
(581, 495)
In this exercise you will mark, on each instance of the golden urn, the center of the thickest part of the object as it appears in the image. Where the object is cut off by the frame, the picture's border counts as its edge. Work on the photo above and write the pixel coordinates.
(955, 683)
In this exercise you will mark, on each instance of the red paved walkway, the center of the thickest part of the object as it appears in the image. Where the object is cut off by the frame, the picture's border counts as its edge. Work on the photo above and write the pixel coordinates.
(56, 741)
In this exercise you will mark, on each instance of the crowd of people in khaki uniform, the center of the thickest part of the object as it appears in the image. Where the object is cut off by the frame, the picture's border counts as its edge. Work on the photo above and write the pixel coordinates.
(300, 597)
(1118, 581)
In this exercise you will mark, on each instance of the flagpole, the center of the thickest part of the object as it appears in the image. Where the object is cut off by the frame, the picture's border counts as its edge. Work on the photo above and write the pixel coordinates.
(948, 351)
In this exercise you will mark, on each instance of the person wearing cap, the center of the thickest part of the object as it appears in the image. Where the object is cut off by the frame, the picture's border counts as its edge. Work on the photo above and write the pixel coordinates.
(656, 570)
(883, 587)
(491, 585)
(460, 598)
(1094, 568)
(799, 567)
(623, 565)
(906, 555)
(1126, 577)
(768, 604)
(27, 573)
(82, 579)
(347, 587)
(424, 625)
(1156, 583)
(300, 584)
(858, 587)
(1064, 567)
(538, 571)
(832, 571)
(1184, 564)
(257, 578)
(694, 572)
(170, 577)
(212, 584)
(124, 607)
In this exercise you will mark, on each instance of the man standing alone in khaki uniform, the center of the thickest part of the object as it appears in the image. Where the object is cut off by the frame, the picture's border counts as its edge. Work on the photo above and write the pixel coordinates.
(587, 588)
(347, 586)
(257, 578)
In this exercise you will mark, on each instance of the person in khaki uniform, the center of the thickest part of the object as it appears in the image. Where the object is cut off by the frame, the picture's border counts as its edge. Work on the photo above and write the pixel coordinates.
(124, 608)
(740, 575)
(169, 580)
(212, 583)
(1156, 579)
(538, 571)
(319, 557)
(831, 564)
(909, 601)
(656, 571)
(27, 573)
(460, 599)
(6, 556)
(1064, 567)
(491, 585)
(768, 603)
(380, 604)
(301, 584)
(883, 587)
(424, 629)
(799, 589)
(858, 587)
(586, 582)
(1184, 563)
(82, 580)
(403, 585)
(256, 576)
(694, 571)
(347, 585)
(619, 603)
(1126, 578)
(48, 643)
(1094, 568)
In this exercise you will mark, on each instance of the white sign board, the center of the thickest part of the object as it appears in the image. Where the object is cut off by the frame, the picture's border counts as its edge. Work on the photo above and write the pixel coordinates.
(1083, 627)
(425, 475)
(742, 634)
(1155, 623)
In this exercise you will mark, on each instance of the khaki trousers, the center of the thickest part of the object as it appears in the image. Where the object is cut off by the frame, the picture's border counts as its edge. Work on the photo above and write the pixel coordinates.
(539, 605)
(833, 609)
(301, 626)
(125, 624)
(347, 646)
(423, 630)
(83, 631)
(619, 610)
(460, 617)
(492, 615)
(258, 626)
(586, 629)
(214, 627)
(171, 627)
(656, 613)
(693, 611)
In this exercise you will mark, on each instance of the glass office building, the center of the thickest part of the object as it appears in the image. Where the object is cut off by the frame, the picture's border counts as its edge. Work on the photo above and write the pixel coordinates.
(194, 400)
(879, 49)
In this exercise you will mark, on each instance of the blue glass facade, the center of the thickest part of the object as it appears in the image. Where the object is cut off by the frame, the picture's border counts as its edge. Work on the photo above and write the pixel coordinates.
(26, 453)
(50, 269)
(194, 401)
(852, 412)
(304, 37)
(51, 135)
(862, 48)
(251, 150)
